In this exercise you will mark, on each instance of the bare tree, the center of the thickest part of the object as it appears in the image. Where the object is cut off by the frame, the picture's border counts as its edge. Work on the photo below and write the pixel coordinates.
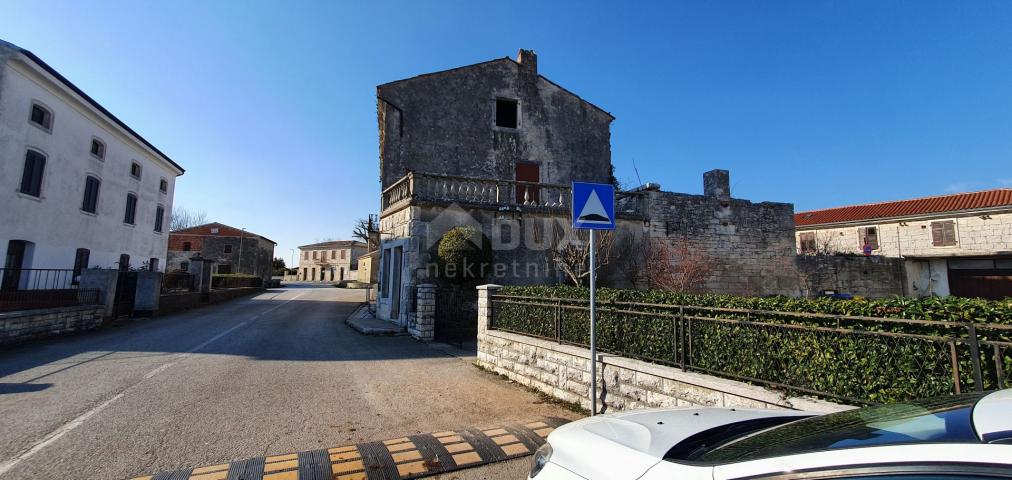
(182, 218)
(571, 251)
(676, 268)
(367, 230)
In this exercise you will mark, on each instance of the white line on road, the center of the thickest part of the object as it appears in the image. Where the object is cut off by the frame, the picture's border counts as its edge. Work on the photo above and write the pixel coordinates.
(67, 427)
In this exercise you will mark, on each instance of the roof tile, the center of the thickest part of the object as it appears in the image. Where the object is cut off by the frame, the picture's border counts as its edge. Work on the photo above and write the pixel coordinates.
(904, 208)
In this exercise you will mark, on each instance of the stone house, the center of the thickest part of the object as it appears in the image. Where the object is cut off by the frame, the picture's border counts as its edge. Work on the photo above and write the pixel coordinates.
(496, 146)
(79, 188)
(958, 244)
(231, 249)
(333, 261)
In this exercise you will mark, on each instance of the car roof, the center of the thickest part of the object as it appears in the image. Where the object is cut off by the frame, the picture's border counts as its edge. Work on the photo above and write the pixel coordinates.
(992, 416)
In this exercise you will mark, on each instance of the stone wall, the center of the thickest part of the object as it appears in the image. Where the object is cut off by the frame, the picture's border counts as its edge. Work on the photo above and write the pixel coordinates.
(562, 371)
(746, 248)
(873, 277)
(25, 325)
(176, 302)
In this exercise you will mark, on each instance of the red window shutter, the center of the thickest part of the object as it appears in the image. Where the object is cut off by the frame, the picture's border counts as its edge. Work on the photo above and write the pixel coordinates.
(937, 234)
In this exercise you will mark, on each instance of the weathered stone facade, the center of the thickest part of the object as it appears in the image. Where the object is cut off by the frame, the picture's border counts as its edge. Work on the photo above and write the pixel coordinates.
(873, 277)
(445, 122)
(232, 250)
(563, 371)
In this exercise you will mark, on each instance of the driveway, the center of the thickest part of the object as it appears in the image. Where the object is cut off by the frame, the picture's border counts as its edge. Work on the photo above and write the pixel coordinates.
(275, 373)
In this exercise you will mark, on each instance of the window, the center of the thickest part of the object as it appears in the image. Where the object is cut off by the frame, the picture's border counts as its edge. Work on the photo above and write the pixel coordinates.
(31, 177)
(868, 236)
(163, 185)
(506, 113)
(97, 148)
(90, 202)
(124, 262)
(943, 234)
(305, 255)
(130, 214)
(214, 231)
(159, 218)
(135, 170)
(807, 242)
(344, 254)
(152, 264)
(187, 246)
(42, 117)
(81, 258)
(528, 172)
(316, 254)
(385, 270)
(228, 248)
(224, 269)
(333, 254)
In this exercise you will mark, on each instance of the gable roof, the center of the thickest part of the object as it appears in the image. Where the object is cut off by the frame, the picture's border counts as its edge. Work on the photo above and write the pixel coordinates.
(229, 231)
(958, 202)
(333, 244)
(67, 83)
(506, 59)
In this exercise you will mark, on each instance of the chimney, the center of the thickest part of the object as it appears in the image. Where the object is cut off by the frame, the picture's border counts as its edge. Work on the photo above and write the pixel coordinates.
(717, 183)
(528, 61)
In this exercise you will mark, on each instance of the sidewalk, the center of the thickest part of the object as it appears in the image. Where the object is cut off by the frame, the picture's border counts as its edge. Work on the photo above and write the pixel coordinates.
(365, 323)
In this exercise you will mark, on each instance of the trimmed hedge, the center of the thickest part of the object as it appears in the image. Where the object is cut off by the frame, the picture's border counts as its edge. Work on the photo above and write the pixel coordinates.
(856, 367)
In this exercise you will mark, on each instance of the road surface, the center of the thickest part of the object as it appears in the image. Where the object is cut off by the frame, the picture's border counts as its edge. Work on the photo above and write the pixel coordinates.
(275, 373)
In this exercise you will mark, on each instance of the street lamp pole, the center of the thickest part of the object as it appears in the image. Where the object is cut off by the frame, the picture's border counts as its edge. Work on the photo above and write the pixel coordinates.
(241, 234)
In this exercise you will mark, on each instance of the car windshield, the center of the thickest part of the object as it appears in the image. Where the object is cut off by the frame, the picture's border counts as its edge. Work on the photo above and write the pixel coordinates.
(937, 420)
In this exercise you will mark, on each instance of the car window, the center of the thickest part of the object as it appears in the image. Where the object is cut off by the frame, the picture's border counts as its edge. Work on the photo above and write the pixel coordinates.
(700, 443)
(937, 420)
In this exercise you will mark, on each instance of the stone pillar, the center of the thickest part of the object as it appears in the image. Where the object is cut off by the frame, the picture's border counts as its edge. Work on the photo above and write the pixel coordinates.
(717, 183)
(485, 293)
(425, 313)
(149, 290)
(103, 280)
(200, 268)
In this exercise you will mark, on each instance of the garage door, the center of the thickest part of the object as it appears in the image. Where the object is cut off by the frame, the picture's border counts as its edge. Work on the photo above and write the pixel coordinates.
(986, 278)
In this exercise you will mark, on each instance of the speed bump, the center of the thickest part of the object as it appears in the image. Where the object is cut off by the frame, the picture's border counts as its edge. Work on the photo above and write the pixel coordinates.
(412, 456)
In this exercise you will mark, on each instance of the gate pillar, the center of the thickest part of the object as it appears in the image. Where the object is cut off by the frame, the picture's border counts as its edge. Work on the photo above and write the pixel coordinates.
(424, 325)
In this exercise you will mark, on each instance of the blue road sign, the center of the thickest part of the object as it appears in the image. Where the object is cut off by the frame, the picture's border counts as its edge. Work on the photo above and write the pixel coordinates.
(593, 206)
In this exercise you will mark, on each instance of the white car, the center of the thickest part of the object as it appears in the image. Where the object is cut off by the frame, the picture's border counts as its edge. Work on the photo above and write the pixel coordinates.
(959, 437)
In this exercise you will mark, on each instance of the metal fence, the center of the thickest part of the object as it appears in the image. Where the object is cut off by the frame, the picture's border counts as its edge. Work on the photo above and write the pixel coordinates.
(178, 282)
(859, 360)
(34, 288)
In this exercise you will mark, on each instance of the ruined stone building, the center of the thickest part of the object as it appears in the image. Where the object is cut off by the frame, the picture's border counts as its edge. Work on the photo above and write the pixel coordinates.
(496, 146)
(231, 249)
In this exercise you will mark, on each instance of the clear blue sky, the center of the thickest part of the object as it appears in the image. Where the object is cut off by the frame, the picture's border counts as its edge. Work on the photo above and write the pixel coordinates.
(270, 106)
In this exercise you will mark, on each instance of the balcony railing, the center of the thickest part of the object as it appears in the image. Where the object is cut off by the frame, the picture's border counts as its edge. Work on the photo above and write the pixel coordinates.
(417, 187)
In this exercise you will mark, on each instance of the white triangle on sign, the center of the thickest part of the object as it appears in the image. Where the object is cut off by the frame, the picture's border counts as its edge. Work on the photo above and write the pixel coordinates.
(593, 211)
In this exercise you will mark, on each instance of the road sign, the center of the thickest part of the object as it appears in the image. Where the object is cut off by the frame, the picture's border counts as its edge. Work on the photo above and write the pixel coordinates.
(593, 209)
(593, 206)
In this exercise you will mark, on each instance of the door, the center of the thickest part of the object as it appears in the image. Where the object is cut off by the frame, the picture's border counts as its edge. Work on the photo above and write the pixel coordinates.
(395, 285)
(456, 319)
(528, 172)
(13, 264)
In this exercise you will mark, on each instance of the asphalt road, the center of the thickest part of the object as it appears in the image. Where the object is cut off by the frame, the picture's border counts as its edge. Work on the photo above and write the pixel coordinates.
(271, 374)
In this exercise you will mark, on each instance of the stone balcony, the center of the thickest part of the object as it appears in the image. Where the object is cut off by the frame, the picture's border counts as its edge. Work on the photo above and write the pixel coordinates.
(417, 188)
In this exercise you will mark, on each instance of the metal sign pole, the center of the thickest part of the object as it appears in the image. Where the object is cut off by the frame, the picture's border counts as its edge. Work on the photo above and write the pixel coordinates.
(593, 332)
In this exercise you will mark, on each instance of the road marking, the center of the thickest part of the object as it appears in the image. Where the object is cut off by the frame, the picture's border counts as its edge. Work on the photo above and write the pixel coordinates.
(71, 425)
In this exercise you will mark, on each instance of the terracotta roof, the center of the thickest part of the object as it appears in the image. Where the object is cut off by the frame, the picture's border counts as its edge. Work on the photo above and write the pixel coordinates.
(224, 231)
(907, 208)
(332, 244)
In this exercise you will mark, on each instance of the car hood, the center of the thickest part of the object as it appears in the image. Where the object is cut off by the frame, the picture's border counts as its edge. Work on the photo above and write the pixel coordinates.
(627, 444)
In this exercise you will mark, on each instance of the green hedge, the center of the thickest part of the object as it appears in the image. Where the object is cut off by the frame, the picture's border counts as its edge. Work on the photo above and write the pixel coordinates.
(853, 366)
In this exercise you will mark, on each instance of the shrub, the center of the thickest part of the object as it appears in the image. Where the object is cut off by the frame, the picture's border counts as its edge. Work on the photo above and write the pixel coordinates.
(463, 255)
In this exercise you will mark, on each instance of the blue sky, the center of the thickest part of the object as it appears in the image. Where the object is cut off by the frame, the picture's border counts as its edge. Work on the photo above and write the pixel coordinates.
(270, 106)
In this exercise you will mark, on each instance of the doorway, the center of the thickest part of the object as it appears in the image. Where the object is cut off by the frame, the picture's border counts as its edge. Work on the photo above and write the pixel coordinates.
(14, 263)
(395, 277)
(528, 172)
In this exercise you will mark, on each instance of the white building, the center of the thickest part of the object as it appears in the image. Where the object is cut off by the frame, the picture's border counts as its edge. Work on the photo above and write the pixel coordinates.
(957, 244)
(333, 261)
(78, 187)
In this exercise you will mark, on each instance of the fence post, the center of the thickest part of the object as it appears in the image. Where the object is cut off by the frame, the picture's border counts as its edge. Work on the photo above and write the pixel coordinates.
(486, 311)
(558, 321)
(971, 333)
(999, 368)
(954, 360)
(425, 312)
(674, 338)
(681, 339)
